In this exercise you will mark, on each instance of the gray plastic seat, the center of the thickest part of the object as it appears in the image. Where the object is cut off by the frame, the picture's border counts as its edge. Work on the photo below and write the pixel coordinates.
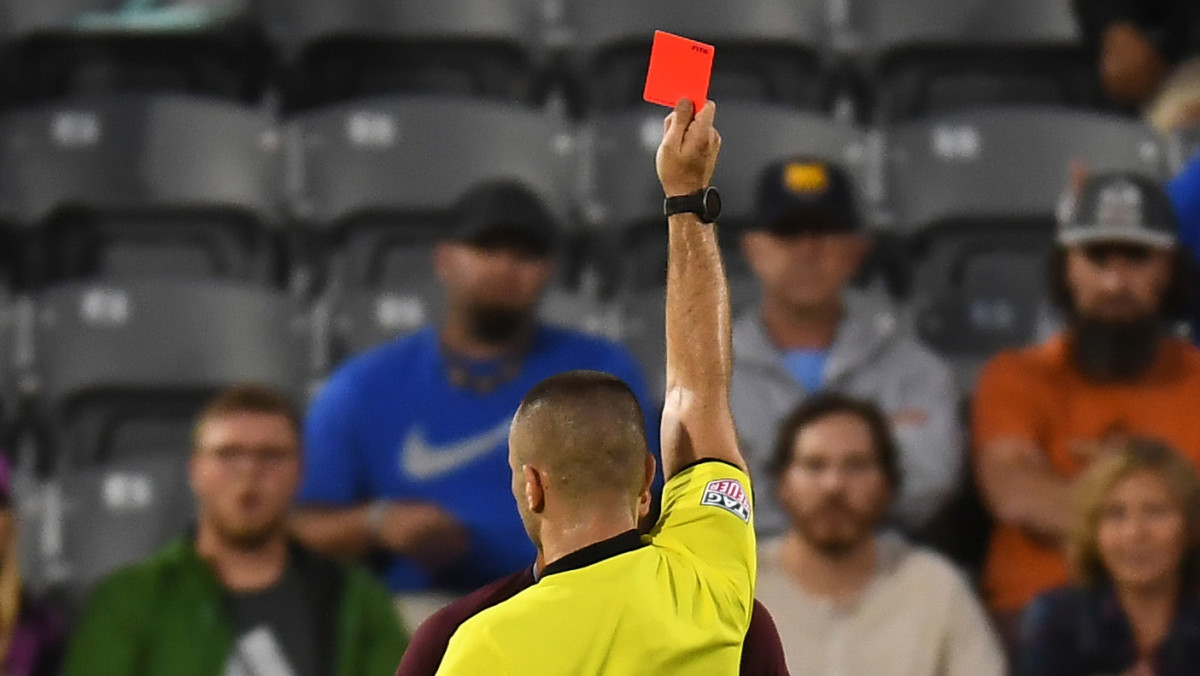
(67, 48)
(349, 49)
(121, 370)
(1006, 162)
(928, 56)
(92, 521)
(767, 50)
(144, 185)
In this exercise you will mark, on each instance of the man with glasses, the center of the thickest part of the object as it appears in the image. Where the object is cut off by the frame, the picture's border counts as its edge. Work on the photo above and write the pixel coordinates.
(236, 596)
(1121, 280)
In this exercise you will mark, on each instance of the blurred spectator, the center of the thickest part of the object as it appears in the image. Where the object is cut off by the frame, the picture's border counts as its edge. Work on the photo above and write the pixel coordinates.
(811, 333)
(1136, 550)
(408, 444)
(1138, 42)
(848, 601)
(236, 597)
(1177, 105)
(1184, 190)
(31, 634)
(1115, 370)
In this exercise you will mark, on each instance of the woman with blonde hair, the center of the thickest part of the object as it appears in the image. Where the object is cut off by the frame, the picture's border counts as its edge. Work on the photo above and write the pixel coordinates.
(1135, 548)
(31, 636)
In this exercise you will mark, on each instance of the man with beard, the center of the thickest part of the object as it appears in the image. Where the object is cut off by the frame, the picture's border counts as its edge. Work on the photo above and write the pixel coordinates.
(847, 600)
(237, 597)
(408, 444)
(1038, 413)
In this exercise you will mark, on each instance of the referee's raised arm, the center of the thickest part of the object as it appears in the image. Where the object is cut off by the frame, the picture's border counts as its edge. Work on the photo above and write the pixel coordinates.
(697, 422)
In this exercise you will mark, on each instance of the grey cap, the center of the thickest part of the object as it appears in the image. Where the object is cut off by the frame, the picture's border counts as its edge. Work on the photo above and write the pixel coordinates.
(1119, 207)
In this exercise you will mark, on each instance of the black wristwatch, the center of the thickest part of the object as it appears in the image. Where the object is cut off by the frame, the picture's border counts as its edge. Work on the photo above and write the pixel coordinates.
(705, 203)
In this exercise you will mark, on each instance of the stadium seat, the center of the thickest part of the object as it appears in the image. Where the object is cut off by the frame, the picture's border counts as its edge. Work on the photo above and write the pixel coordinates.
(121, 369)
(144, 185)
(91, 521)
(767, 50)
(975, 193)
(348, 49)
(66, 48)
(382, 176)
(928, 56)
(1010, 162)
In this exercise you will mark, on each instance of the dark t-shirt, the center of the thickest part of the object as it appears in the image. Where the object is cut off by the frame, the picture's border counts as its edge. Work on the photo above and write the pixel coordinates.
(762, 654)
(1081, 631)
(276, 629)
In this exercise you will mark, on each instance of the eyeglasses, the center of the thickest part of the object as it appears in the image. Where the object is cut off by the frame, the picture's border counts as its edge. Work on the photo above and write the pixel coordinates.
(271, 457)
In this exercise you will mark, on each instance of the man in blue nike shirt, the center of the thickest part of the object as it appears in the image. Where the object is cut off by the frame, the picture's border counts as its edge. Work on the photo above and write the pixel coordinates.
(407, 445)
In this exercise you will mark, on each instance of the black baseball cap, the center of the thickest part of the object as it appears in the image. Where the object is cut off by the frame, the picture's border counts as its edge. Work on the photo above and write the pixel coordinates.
(1119, 207)
(504, 212)
(805, 194)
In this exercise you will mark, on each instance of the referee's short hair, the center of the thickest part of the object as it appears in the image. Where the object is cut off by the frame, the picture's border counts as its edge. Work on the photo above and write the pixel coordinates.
(586, 428)
(826, 404)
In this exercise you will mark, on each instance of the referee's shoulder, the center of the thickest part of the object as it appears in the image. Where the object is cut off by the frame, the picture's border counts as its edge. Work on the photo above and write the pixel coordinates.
(508, 615)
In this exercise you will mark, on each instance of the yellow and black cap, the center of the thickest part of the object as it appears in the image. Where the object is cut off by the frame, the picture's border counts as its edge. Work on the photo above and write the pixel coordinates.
(804, 194)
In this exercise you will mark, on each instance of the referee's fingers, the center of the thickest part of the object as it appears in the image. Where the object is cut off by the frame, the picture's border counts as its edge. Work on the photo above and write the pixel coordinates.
(677, 123)
(698, 136)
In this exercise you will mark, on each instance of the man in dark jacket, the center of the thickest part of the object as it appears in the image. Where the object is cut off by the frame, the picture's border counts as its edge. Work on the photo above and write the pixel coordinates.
(236, 597)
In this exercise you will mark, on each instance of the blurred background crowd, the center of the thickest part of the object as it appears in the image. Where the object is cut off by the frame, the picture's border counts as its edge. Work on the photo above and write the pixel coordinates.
(275, 274)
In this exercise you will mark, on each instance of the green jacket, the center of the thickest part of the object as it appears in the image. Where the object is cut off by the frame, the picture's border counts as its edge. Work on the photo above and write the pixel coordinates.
(166, 616)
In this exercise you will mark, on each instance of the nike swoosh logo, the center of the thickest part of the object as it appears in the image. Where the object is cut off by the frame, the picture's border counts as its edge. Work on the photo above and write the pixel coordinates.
(420, 460)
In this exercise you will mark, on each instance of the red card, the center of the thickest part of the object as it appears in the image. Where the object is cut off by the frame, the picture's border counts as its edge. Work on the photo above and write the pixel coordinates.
(679, 68)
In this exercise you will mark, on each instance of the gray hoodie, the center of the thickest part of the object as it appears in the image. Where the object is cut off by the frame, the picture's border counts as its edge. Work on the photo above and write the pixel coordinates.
(871, 359)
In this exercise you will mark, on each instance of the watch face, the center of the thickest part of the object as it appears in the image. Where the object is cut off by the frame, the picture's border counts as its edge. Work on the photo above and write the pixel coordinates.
(712, 203)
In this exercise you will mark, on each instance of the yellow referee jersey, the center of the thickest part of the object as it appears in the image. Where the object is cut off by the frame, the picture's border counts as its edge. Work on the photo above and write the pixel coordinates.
(675, 602)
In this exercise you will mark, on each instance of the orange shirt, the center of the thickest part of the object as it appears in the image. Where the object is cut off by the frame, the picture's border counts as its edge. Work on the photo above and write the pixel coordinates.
(1036, 394)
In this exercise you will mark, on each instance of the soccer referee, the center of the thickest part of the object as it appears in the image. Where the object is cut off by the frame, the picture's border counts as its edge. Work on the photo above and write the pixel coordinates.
(609, 601)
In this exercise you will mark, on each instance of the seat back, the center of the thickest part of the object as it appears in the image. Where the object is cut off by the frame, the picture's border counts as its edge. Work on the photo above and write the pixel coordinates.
(768, 51)
(172, 183)
(361, 48)
(96, 520)
(928, 56)
(122, 370)
(67, 48)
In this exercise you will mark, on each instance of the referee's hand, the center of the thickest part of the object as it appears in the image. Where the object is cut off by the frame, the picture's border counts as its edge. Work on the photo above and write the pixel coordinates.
(688, 154)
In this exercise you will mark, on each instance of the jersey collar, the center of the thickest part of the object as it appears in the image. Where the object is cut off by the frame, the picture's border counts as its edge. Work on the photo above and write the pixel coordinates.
(595, 553)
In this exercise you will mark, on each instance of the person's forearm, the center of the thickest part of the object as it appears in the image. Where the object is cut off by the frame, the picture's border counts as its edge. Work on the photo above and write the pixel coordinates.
(1033, 499)
(931, 461)
(699, 343)
(339, 532)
